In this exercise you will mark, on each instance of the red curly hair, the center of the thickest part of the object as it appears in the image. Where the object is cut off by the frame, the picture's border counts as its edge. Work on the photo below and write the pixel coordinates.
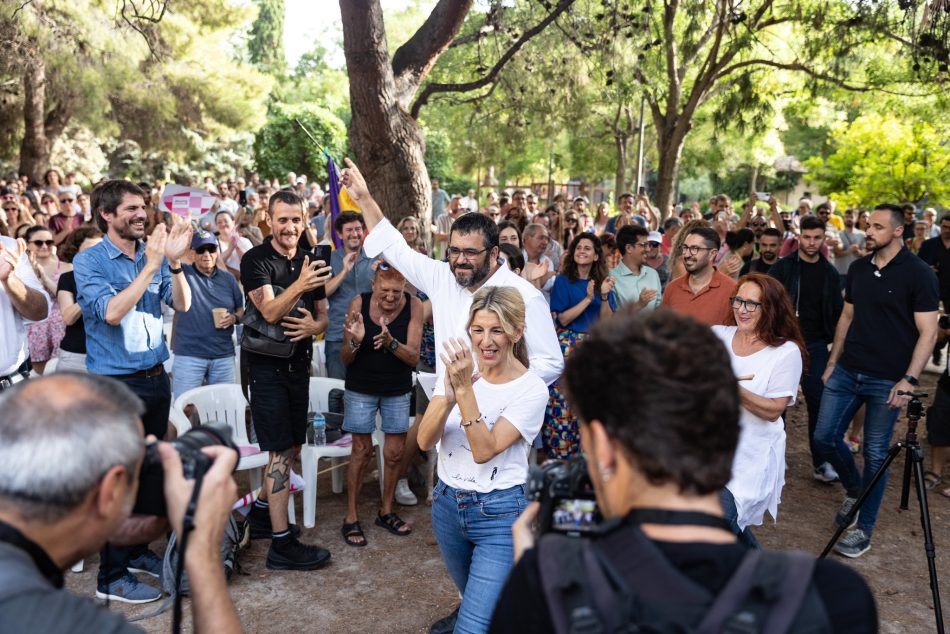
(778, 322)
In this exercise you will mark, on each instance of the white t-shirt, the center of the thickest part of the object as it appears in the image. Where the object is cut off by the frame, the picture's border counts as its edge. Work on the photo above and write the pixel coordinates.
(758, 469)
(521, 402)
(244, 245)
(13, 348)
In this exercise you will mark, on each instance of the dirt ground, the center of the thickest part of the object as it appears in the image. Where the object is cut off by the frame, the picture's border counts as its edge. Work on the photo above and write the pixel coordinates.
(398, 584)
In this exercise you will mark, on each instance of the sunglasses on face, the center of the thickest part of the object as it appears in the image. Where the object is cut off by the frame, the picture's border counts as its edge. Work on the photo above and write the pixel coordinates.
(208, 248)
(42, 243)
(67, 200)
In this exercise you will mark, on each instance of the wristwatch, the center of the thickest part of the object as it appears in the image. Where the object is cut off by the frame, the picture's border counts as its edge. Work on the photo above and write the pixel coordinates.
(393, 345)
(912, 380)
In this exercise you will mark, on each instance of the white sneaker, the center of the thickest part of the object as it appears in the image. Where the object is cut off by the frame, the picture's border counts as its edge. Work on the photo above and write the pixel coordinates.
(825, 473)
(404, 494)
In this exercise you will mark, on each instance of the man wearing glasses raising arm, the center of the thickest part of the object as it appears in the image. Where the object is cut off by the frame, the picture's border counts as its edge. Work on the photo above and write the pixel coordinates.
(703, 293)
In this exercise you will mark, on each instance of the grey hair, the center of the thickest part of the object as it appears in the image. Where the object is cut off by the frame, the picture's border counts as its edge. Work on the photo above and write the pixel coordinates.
(59, 435)
(532, 229)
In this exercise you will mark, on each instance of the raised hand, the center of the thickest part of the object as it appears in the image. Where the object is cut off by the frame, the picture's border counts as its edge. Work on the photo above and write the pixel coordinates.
(383, 339)
(350, 260)
(298, 328)
(9, 259)
(178, 241)
(355, 326)
(155, 247)
(352, 179)
(459, 366)
(590, 290)
(607, 285)
(312, 275)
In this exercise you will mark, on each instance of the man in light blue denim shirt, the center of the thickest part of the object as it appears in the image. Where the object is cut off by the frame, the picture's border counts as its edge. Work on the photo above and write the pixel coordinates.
(121, 283)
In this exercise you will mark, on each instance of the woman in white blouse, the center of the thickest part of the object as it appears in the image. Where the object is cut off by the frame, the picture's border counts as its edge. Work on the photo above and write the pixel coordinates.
(484, 427)
(766, 349)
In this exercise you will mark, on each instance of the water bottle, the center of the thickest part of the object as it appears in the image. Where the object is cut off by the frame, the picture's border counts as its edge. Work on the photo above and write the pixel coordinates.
(318, 426)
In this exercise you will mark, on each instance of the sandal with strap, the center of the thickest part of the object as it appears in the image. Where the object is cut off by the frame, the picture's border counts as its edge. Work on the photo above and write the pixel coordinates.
(352, 533)
(931, 480)
(393, 524)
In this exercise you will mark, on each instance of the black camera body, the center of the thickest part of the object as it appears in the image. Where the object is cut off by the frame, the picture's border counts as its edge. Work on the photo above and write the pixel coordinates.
(194, 462)
(566, 495)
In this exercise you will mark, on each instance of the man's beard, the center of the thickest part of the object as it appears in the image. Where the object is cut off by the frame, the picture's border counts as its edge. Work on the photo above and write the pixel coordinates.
(875, 246)
(768, 257)
(126, 232)
(469, 277)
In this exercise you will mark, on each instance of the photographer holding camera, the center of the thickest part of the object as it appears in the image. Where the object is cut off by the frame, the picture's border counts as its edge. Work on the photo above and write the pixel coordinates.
(70, 454)
(658, 451)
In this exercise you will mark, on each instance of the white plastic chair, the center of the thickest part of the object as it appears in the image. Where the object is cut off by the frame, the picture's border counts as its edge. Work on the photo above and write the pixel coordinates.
(225, 404)
(310, 456)
(319, 363)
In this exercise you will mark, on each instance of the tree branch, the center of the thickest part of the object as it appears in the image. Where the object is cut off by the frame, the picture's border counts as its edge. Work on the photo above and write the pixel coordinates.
(793, 66)
(414, 59)
(435, 88)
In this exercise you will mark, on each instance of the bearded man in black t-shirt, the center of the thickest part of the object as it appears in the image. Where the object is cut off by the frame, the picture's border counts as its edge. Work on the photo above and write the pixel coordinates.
(660, 446)
(286, 286)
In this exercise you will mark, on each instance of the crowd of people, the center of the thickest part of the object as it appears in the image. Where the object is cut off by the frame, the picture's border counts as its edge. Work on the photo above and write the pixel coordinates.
(493, 299)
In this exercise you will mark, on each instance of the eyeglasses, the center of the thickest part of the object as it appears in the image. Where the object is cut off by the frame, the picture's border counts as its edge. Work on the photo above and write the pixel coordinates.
(693, 250)
(455, 252)
(570, 219)
(206, 248)
(758, 224)
(653, 245)
(747, 304)
(67, 200)
(42, 243)
(642, 245)
(384, 266)
(48, 201)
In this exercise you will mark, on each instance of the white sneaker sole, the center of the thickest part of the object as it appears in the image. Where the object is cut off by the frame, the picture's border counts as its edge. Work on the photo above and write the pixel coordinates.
(142, 571)
(115, 597)
(853, 555)
(406, 501)
(821, 478)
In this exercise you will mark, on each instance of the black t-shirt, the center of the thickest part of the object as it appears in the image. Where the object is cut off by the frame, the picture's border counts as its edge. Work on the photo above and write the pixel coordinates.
(380, 372)
(522, 607)
(263, 265)
(810, 293)
(754, 266)
(882, 336)
(75, 338)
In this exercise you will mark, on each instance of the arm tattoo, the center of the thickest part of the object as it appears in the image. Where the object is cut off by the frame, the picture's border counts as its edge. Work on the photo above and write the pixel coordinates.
(281, 471)
(257, 296)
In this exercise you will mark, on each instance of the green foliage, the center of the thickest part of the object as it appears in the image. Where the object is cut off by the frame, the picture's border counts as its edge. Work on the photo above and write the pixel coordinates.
(171, 91)
(314, 81)
(266, 43)
(880, 158)
(281, 146)
(439, 163)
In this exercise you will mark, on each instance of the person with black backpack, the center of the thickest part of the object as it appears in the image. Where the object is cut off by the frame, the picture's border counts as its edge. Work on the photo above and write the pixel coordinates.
(659, 450)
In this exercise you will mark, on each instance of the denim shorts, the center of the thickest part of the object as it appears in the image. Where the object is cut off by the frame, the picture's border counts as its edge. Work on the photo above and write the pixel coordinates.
(359, 413)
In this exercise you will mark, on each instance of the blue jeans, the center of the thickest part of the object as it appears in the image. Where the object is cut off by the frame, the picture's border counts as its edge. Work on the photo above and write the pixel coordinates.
(474, 535)
(359, 413)
(844, 393)
(192, 372)
(812, 389)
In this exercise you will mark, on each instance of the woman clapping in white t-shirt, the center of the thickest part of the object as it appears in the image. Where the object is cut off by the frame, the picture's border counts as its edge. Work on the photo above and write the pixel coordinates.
(484, 427)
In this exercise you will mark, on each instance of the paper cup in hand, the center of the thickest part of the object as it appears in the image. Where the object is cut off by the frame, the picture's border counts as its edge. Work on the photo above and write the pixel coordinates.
(219, 314)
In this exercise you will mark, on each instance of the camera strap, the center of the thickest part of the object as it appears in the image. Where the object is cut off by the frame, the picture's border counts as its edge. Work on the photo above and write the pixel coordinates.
(669, 517)
(187, 525)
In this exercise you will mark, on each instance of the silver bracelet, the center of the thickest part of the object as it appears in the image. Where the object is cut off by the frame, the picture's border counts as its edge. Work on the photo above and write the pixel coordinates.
(466, 423)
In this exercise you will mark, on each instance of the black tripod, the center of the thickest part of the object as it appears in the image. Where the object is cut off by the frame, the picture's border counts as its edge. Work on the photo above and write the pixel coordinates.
(914, 460)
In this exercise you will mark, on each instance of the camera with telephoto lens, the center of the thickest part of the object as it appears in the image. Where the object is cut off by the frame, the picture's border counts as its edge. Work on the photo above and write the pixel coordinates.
(194, 463)
(566, 494)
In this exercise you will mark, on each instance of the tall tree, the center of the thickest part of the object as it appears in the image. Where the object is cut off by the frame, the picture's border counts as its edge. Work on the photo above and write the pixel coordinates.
(266, 43)
(137, 71)
(385, 94)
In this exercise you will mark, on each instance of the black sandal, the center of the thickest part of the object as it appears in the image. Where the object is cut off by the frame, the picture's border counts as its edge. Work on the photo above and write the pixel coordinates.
(392, 523)
(351, 532)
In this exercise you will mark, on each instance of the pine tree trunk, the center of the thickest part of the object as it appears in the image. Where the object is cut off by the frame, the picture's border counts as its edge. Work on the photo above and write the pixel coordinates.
(35, 147)
(671, 135)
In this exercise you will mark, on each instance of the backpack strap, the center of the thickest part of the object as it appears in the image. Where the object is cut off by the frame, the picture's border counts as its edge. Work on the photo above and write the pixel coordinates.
(568, 587)
(765, 594)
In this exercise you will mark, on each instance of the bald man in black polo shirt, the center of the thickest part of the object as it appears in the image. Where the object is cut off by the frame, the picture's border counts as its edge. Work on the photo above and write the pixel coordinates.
(884, 337)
